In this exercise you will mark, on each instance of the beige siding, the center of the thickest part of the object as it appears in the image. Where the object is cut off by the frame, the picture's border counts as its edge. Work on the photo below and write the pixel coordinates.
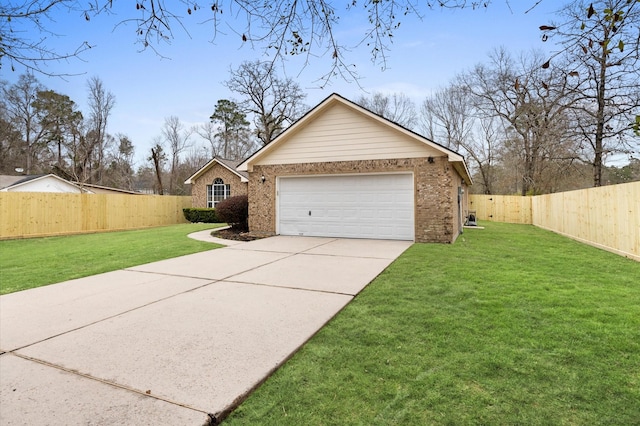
(342, 134)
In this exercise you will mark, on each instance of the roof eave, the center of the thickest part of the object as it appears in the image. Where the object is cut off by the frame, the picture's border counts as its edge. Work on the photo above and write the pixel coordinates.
(463, 171)
(82, 190)
(204, 168)
(247, 165)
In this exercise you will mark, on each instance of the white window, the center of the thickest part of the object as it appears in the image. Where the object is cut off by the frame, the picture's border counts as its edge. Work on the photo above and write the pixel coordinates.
(217, 192)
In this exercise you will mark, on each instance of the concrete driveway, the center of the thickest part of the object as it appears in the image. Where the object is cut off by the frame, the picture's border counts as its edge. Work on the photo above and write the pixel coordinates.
(179, 341)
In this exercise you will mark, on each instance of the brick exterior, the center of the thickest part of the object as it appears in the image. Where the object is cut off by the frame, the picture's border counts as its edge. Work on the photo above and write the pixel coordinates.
(199, 187)
(436, 192)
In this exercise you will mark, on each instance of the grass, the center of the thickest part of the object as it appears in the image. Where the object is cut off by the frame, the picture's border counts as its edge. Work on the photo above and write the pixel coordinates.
(31, 263)
(510, 325)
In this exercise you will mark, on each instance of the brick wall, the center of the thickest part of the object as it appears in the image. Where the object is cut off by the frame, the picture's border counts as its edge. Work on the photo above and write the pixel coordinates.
(199, 188)
(435, 206)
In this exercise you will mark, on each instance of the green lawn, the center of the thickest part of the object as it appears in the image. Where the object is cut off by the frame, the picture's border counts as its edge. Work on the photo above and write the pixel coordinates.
(36, 262)
(511, 325)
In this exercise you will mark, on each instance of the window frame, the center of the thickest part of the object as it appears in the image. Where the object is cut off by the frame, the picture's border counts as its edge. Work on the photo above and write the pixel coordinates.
(217, 191)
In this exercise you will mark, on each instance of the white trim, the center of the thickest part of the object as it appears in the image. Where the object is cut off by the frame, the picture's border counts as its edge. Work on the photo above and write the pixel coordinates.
(202, 169)
(399, 172)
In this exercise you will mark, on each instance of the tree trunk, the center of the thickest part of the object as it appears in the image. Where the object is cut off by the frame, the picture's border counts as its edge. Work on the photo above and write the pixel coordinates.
(156, 158)
(599, 136)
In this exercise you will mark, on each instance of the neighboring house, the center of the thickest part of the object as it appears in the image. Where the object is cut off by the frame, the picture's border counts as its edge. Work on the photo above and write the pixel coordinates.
(343, 171)
(39, 183)
(216, 181)
(99, 189)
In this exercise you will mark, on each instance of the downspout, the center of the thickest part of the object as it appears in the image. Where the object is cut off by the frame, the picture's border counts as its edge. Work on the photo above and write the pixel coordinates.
(460, 222)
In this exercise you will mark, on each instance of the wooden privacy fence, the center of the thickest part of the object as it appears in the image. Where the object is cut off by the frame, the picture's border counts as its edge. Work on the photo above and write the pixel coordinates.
(37, 214)
(607, 217)
(501, 208)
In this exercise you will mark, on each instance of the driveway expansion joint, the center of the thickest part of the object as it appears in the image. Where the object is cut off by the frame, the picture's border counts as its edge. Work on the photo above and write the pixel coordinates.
(146, 393)
(98, 321)
(292, 288)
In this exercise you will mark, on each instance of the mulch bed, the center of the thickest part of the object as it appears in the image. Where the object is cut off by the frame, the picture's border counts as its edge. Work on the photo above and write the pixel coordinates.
(235, 234)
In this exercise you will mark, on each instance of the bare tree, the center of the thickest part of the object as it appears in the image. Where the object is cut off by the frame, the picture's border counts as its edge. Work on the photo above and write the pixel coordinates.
(19, 99)
(242, 146)
(601, 40)
(178, 140)
(119, 172)
(100, 102)
(80, 151)
(449, 116)
(208, 131)
(396, 107)
(484, 147)
(158, 158)
(195, 158)
(532, 104)
(10, 143)
(273, 101)
(145, 180)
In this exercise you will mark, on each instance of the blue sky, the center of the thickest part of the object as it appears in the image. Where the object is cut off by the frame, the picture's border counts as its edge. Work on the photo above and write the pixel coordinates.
(187, 82)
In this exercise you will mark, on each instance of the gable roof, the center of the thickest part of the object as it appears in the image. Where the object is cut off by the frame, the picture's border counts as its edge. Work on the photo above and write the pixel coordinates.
(456, 159)
(10, 182)
(106, 189)
(230, 165)
(7, 181)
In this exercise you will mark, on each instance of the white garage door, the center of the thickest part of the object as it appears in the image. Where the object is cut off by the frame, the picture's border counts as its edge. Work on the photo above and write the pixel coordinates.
(354, 206)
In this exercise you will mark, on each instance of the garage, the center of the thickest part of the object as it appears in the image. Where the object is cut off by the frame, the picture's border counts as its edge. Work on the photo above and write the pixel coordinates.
(379, 206)
(344, 171)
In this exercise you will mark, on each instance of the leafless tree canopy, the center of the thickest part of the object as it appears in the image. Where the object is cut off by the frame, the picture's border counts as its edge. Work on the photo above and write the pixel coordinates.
(396, 107)
(24, 33)
(273, 101)
(101, 102)
(19, 99)
(527, 124)
(531, 103)
(177, 138)
(280, 27)
(448, 115)
(601, 41)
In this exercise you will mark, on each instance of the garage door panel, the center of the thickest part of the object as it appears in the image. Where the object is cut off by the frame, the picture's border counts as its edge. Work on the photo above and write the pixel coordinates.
(364, 197)
(355, 206)
(386, 214)
(295, 214)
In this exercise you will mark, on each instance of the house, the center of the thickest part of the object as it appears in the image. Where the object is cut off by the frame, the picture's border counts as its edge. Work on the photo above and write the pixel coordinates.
(216, 181)
(99, 189)
(343, 171)
(39, 183)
